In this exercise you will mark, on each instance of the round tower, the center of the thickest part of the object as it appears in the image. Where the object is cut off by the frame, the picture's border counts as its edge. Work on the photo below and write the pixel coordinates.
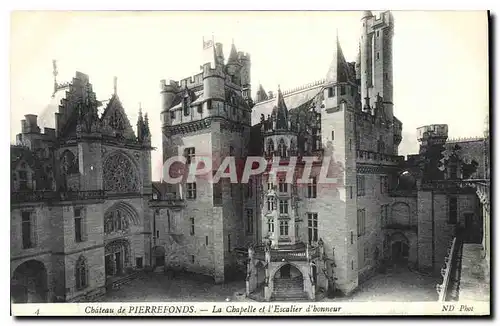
(366, 64)
(167, 92)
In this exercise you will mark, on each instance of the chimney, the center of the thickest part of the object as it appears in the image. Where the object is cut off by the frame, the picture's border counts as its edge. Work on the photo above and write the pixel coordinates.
(271, 95)
(219, 53)
(31, 123)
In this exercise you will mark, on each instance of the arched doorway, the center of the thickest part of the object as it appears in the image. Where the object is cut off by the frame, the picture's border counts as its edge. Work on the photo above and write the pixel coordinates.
(159, 256)
(400, 249)
(288, 282)
(29, 283)
(117, 257)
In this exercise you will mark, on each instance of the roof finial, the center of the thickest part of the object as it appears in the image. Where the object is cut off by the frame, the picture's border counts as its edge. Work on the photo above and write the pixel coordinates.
(115, 85)
(54, 73)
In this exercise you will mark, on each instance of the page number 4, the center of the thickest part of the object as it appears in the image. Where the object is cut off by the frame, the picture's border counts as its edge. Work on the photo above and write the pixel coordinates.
(37, 312)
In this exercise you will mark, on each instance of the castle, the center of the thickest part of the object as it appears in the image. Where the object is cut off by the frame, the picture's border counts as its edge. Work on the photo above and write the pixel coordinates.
(86, 214)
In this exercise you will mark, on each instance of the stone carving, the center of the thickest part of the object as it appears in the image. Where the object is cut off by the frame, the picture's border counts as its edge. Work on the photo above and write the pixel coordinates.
(116, 221)
(120, 175)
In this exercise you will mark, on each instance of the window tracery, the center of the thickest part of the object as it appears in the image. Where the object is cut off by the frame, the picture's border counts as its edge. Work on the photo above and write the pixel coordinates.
(120, 175)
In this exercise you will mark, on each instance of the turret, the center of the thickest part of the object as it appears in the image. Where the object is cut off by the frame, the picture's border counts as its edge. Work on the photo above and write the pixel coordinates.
(246, 89)
(167, 92)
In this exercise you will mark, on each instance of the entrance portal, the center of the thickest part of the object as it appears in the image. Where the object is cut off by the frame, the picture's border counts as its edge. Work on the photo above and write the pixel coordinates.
(117, 257)
(400, 252)
(29, 283)
(288, 283)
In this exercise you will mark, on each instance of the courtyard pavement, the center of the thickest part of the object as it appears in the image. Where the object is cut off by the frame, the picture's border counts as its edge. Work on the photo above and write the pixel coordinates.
(157, 287)
(399, 285)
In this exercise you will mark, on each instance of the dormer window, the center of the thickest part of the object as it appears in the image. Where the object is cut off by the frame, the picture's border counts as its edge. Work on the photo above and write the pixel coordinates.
(172, 115)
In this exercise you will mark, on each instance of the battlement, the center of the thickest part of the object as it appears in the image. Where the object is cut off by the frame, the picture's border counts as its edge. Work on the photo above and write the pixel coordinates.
(465, 139)
(435, 131)
(192, 81)
(305, 86)
(243, 55)
(171, 86)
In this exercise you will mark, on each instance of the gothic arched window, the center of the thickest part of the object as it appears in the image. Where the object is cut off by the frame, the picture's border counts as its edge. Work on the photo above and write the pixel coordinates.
(282, 148)
(120, 174)
(81, 273)
(270, 147)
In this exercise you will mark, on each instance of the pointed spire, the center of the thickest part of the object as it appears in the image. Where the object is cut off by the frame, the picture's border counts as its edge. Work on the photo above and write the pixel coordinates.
(147, 133)
(261, 94)
(281, 111)
(233, 55)
(339, 70)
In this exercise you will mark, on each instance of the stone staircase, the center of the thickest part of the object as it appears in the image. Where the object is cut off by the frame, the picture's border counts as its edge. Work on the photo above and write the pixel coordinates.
(289, 290)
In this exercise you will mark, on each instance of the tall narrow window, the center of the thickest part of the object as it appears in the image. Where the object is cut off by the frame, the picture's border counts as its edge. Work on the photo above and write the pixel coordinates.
(270, 147)
(350, 192)
(250, 188)
(81, 276)
(189, 153)
(271, 203)
(283, 206)
(378, 55)
(206, 240)
(78, 224)
(192, 225)
(361, 222)
(352, 237)
(27, 229)
(333, 134)
(185, 105)
(217, 193)
(157, 234)
(249, 221)
(360, 180)
(283, 186)
(350, 144)
(228, 242)
(23, 180)
(282, 150)
(191, 190)
(283, 228)
(312, 227)
(312, 188)
(192, 259)
(452, 211)
(270, 225)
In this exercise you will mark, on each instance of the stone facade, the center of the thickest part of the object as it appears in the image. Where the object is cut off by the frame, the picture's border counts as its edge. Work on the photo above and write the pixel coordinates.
(80, 216)
(378, 209)
(85, 213)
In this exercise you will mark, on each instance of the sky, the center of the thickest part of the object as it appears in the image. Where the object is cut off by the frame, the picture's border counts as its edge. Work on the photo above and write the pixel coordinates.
(440, 59)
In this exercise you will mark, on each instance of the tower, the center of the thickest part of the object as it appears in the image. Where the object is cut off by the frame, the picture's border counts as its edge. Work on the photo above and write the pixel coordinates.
(338, 137)
(376, 60)
(206, 120)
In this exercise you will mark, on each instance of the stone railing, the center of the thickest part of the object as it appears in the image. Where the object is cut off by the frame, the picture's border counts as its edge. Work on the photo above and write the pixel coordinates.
(379, 157)
(287, 253)
(446, 271)
(54, 196)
